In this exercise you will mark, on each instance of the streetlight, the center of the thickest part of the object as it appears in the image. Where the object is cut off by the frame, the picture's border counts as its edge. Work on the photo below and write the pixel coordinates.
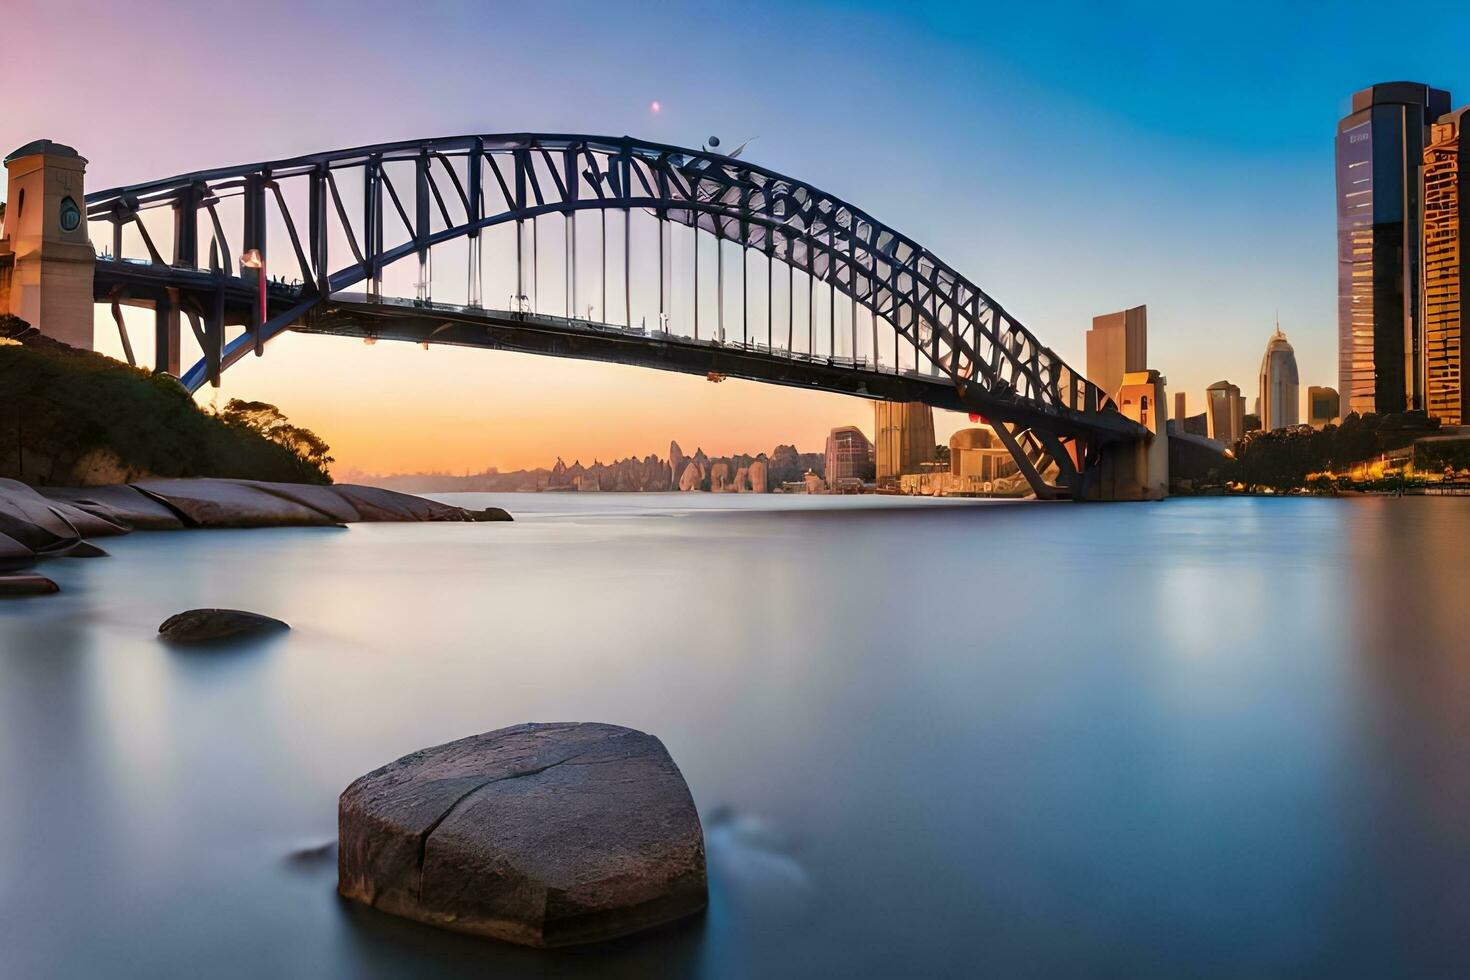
(252, 259)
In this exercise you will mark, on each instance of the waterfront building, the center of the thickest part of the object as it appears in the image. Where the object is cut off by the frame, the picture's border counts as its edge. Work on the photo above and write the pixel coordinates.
(1322, 406)
(1116, 345)
(1380, 146)
(1446, 395)
(848, 455)
(975, 453)
(1280, 395)
(904, 436)
(1224, 412)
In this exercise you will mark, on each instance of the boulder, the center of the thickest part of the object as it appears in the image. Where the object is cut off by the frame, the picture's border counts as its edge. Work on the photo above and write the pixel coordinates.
(214, 625)
(543, 834)
(13, 550)
(121, 505)
(322, 499)
(14, 586)
(83, 549)
(28, 518)
(87, 524)
(491, 514)
(377, 504)
(231, 503)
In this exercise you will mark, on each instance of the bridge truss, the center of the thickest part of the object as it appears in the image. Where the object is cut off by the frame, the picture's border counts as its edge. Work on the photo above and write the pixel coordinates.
(608, 248)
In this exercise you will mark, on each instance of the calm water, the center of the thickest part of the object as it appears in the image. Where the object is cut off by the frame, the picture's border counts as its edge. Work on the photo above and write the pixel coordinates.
(1204, 738)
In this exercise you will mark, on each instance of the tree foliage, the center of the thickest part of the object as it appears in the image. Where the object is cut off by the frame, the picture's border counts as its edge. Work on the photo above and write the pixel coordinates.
(60, 402)
(269, 421)
(1285, 458)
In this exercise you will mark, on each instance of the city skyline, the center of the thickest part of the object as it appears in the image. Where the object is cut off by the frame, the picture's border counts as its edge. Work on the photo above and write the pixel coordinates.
(1157, 129)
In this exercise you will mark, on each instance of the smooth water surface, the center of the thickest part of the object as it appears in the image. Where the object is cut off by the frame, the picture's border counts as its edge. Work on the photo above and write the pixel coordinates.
(1222, 737)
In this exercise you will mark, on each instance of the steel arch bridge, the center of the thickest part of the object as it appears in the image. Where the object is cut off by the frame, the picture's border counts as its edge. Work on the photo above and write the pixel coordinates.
(825, 295)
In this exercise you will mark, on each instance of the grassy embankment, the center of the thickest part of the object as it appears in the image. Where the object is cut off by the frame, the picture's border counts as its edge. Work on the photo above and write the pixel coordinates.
(61, 407)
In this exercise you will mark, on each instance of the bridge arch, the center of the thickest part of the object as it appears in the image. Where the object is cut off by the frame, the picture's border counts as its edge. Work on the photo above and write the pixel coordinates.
(406, 198)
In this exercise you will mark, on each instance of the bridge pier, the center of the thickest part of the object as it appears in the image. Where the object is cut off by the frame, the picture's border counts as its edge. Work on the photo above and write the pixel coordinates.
(167, 349)
(46, 258)
(1136, 469)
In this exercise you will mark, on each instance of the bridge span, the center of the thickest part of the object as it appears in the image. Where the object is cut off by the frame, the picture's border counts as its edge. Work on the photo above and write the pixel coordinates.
(602, 248)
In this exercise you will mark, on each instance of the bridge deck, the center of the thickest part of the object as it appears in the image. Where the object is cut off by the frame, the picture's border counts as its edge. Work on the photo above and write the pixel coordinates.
(462, 326)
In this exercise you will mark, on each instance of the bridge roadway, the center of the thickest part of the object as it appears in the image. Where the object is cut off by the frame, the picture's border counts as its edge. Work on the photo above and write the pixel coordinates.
(397, 319)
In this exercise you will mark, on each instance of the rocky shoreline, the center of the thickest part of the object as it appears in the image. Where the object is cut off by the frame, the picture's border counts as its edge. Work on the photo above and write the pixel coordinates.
(56, 522)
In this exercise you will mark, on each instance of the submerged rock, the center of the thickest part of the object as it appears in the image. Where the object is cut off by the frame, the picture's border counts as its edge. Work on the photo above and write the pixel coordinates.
(491, 514)
(14, 586)
(543, 834)
(214, 625)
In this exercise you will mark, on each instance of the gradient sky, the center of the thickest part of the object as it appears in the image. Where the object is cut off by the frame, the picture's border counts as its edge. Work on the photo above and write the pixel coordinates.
(1072, 158)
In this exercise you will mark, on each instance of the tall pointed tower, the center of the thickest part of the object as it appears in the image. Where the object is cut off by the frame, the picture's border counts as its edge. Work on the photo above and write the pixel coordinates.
(46, 258)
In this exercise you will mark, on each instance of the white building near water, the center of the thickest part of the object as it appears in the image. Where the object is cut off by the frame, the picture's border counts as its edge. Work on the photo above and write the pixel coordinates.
(1280, 390)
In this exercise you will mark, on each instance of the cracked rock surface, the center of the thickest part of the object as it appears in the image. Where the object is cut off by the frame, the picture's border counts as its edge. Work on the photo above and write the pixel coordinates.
(541, 834)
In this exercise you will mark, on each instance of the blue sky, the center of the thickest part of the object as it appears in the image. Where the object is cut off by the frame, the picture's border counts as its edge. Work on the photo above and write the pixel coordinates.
(1071, 158)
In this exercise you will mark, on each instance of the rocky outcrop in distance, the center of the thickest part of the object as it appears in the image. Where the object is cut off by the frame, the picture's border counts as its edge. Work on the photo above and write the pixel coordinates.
(540, 834)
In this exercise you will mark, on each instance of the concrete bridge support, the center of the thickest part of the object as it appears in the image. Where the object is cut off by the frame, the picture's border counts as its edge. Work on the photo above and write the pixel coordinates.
(1135, 469)
(46, 258)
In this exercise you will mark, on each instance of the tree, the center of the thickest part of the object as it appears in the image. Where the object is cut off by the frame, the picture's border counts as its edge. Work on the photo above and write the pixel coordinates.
(271, 422)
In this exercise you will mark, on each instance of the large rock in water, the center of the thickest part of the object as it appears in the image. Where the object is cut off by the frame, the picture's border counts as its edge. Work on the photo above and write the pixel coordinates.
(28, 518)
(232, 503)
(377, 504)
(12, 586)
(120, 505)
(216, 625)
(546, 835)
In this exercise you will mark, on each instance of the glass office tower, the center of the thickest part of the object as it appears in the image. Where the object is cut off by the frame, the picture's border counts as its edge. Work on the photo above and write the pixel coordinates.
(1380, 146)
(1446, 397)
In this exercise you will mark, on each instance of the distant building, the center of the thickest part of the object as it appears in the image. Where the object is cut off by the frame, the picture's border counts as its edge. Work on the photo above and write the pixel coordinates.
(1322, 406)
(1380, 146)
(1180, 406)
(1280, 389)
(848, 455)
(1224, 413)
(904, 433)
(1116, 345)
(974, 453)
(1446, 396)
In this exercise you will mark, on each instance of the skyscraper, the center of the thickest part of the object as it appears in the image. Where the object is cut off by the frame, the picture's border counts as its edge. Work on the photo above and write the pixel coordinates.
(1446, 396)
(1322, 406)
(904, 437)
(1225, 412)
(1280, 390)
(848, 454)
(1116, 345)
(1380, 146)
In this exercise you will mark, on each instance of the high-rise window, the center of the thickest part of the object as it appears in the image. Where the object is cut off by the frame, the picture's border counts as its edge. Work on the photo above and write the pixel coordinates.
(1355, 266)
(1381, 343)
(1442, 273)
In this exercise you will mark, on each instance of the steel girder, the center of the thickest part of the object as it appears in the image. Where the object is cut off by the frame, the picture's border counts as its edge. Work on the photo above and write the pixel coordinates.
(438, 190)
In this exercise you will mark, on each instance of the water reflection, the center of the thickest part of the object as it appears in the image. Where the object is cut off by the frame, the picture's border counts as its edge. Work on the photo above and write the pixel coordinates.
(1210, 737)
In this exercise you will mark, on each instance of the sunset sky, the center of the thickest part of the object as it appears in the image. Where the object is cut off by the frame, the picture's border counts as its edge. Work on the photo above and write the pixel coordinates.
(1072, 159)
